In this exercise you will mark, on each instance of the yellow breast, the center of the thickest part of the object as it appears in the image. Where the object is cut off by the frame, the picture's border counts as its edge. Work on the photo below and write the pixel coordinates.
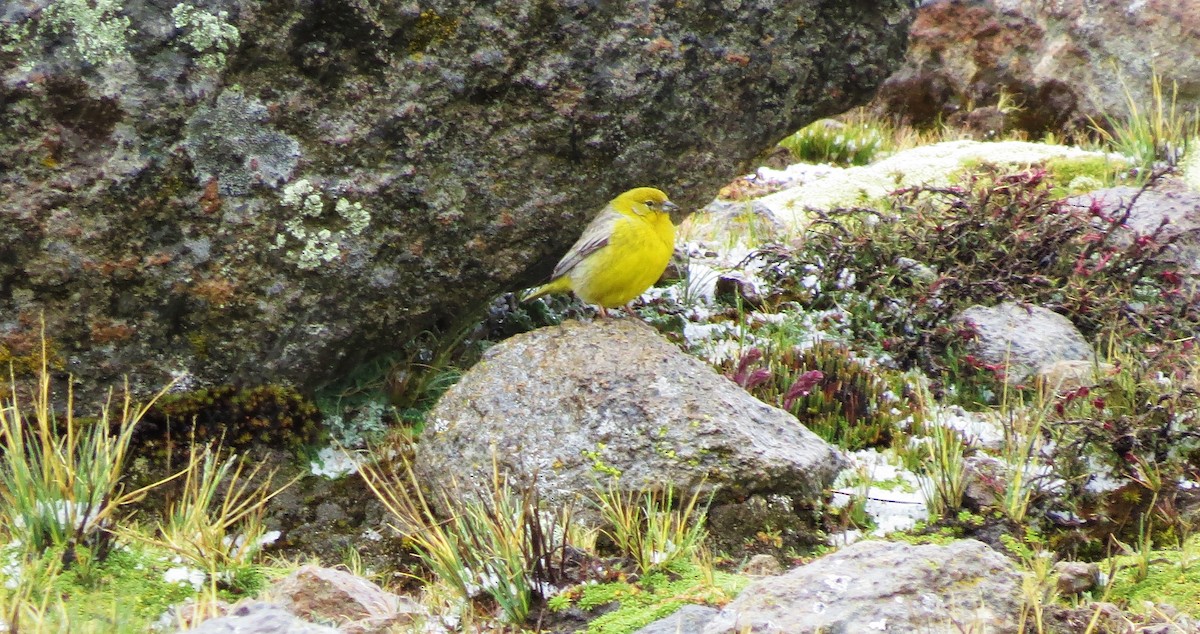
(635, 257)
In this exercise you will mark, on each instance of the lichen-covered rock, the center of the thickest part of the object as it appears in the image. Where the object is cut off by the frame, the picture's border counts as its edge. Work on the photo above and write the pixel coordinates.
(357, 605)
(877, 586)
(1021, 339)
(1058, 62)
(282, 190)
(567, 407)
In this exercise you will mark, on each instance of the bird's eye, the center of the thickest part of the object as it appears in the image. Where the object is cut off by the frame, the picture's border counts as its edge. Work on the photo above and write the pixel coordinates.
(651, 203)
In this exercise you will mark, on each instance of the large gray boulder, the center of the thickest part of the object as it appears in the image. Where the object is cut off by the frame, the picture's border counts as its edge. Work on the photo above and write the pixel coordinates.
(878, 586)
(280, 191)
(1058, 62)
(565, 408)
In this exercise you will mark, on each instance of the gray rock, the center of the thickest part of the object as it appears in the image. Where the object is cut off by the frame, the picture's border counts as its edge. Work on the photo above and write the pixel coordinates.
(985, 480)
(479, 139)
(260, 618)
(688, 620)
(566, 406)
(1024, 338)
(877, 586)
(357, 605)
(1179, 210)
(1075, 577)
(1042, 55)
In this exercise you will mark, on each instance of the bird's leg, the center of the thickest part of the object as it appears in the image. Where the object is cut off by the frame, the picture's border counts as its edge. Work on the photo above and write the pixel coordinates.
(603, 312)
(629, 309)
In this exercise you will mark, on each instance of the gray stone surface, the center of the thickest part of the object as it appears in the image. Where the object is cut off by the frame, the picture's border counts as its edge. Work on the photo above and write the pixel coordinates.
(357, 605)
(688, 620)
(151, 166)
(1148, 211)
(566, 406)
(1024, 338)
(1045, 56)
(877, 586)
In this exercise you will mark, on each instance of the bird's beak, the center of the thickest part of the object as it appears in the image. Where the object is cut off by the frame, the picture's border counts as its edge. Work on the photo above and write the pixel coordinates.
(670, 207)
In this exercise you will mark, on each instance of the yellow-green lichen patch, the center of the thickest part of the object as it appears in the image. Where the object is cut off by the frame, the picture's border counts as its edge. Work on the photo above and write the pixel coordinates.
(430, 29)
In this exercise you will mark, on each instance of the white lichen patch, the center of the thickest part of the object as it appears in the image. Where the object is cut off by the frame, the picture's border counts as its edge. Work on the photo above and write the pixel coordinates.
(1190, 167)
(99, 30)
(321, 245)
(209, 34)
(334, 463)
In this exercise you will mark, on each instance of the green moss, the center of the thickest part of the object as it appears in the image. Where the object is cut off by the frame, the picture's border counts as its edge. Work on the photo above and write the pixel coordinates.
(1079, 174)
(655, 596)
(922, 533)
(124, 592)
(266, 415)
(830, 141)
(1172, 577)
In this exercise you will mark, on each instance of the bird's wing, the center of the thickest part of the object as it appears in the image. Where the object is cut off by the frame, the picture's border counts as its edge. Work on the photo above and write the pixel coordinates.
(594, 238)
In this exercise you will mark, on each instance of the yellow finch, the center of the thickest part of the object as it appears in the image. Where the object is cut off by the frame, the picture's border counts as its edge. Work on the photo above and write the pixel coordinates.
(620, 254)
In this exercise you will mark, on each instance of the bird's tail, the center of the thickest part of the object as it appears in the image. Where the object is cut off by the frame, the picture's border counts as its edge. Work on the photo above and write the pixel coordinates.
(559, 285)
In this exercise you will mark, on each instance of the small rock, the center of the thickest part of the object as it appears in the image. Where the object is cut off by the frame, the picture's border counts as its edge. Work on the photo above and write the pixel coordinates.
(327, 594)
(189, 614)
(1148, 210)
(917, 270)
(736, 285)
(762, 566)
(561, 407)
(986, 479)
(1020, 338)
(1075, 577)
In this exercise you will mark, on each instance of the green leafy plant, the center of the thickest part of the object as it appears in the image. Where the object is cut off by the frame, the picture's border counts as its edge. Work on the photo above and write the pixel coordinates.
(61, 480)
(497, 543)
(834, 395)
(828, 141)
(1159, 133)
(649, 528)
(899, 274)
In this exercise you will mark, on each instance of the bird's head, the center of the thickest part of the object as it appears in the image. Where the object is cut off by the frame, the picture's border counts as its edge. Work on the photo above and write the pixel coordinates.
(644, 201)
